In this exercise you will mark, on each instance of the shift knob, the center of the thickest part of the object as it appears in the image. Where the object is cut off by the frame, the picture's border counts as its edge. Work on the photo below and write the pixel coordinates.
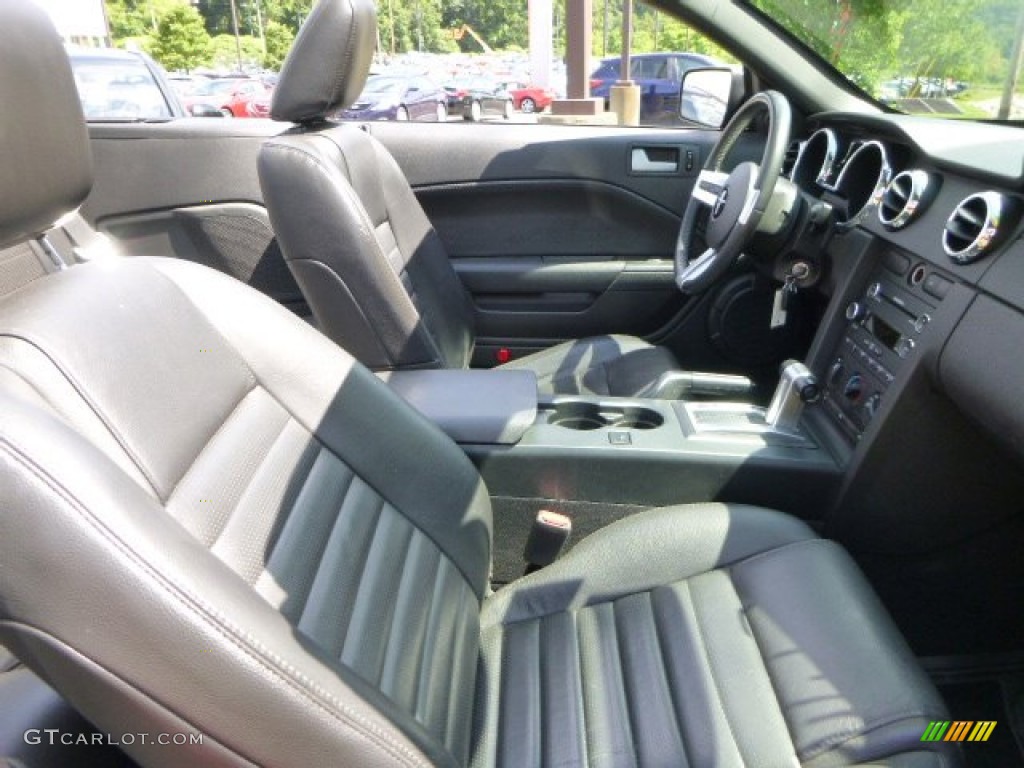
(797, 385)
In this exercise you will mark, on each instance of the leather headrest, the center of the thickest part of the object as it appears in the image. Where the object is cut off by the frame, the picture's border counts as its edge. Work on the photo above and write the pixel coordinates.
(45, 161)
(327, 66)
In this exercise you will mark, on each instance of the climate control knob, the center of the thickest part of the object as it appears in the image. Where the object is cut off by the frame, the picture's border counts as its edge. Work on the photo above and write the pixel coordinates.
(835, 372)
(871, 404)
(854, 388)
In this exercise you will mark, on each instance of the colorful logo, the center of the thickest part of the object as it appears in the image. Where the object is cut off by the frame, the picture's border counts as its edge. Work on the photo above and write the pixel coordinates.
(958, 730)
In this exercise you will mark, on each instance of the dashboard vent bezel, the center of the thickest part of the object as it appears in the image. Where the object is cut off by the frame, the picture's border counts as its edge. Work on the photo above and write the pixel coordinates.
(972, 231)
(903, 198)
(789, 159)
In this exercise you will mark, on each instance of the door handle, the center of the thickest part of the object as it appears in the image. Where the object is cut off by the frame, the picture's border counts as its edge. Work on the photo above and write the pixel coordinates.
(654, 160)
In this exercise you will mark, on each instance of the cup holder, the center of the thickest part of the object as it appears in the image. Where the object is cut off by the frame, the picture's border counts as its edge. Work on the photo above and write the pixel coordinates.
(585, 416)
(638, 418)
(580, 416)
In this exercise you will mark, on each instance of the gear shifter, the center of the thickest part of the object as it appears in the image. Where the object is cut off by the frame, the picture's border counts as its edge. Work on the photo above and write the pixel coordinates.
(797, 386)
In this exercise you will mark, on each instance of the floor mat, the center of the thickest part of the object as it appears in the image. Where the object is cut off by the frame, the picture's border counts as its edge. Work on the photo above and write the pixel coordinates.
(1000, 699)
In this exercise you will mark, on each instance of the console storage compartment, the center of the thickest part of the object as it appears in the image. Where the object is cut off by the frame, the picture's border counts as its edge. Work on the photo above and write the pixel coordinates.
(478, 407)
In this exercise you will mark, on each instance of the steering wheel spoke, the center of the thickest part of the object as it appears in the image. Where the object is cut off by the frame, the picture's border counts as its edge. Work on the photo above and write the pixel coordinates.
(736, 200)
(709, 186)
(695, 268)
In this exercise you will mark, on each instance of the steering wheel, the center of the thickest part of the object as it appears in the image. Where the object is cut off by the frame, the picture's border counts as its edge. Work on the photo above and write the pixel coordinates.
(737, 200)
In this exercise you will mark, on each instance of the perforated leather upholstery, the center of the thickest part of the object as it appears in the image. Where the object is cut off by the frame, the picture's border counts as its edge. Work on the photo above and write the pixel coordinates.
(214, 520)
(702, 635)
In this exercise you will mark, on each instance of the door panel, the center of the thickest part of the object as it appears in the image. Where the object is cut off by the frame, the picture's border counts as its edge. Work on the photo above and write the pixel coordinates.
(553, 232)
(548, 260)
(189, 189)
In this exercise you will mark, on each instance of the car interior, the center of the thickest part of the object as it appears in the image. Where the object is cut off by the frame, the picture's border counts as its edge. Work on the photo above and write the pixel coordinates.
(331, 443)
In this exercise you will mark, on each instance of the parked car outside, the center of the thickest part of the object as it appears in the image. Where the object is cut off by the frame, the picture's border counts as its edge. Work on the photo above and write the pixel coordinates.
(486, 98)
(531, 98)
(184, 85)
(657, 74)
(399, 97)
(454, 95)
(231, 96)
(115, 84)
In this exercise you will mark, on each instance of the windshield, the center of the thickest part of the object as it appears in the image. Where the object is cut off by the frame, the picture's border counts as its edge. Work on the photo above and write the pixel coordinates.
(949, 58)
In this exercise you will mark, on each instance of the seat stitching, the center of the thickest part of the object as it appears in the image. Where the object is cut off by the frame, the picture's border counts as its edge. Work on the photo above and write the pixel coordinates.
(242, 640)
(92, 405)
(831, 742)
(658, 630)
(764, 665)
(25, 627)
(711, 667)
(841, 737)
(216, 433)
(584, 723)
(625, 685)
(227, 519)
(767, 553)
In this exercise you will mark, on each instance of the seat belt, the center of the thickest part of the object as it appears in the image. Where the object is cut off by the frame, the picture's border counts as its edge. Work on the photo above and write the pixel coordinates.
(86, 244)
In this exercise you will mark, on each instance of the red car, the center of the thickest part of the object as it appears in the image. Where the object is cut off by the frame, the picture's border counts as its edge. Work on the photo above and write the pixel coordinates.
(232, 97)
(531, 98)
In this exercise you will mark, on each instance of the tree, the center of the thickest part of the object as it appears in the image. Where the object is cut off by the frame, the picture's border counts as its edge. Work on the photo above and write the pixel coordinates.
(279, 39)
(136, 18)
(225, 53)
(181, 41)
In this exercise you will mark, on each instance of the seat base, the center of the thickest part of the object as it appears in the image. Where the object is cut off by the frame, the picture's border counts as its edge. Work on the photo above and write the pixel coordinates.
(700, 635)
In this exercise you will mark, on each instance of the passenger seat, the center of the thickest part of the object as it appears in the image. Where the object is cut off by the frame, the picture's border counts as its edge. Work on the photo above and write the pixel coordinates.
(214, 521)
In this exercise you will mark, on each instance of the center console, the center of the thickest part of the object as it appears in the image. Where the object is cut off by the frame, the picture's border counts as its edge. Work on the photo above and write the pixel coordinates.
(629, 451)
(882, 333)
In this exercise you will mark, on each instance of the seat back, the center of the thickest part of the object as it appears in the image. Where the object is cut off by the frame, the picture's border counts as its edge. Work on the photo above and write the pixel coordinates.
(213, 521)
(370, 265)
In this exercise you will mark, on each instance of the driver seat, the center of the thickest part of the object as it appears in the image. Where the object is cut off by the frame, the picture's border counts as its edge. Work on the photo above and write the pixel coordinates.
(367, 259)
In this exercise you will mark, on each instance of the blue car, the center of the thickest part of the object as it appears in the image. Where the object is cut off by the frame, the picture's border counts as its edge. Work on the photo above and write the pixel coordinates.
(399, 97)
(657, 74)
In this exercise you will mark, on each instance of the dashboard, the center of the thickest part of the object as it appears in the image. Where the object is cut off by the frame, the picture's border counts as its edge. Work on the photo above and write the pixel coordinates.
(935, 207)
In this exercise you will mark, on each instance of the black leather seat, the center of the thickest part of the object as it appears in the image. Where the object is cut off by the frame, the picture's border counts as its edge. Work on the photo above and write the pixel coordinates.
(369, 263)
(213, 520)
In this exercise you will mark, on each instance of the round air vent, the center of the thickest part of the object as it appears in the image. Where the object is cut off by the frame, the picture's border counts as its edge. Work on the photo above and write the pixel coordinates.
(972, 226)
(903, 198)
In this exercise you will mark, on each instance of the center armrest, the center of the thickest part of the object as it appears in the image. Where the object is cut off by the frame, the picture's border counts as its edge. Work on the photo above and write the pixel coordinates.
(487, 407)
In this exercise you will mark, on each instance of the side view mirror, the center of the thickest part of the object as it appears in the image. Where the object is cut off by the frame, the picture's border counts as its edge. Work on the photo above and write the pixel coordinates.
(704, 95)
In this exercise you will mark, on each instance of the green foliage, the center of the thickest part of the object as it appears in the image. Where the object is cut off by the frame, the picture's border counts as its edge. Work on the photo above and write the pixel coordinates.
(278, 40)
(502, 23)
(652, 31)
(871, 41)
(181, 41)
(413, 25)
(137, 18)
(225, 52)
